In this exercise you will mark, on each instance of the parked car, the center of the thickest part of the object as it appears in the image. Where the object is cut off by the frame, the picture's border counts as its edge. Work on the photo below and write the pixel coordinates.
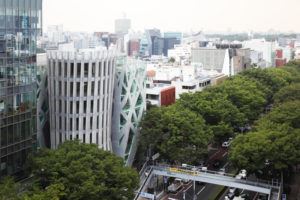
(243, 174)
(226, 144)
(222, 171)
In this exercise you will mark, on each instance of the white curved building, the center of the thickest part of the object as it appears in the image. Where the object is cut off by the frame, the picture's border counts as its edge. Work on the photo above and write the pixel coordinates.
(81, 85)
(129, 106)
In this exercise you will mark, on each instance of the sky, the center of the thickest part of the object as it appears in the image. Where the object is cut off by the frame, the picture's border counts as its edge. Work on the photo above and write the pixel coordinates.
(174, 15)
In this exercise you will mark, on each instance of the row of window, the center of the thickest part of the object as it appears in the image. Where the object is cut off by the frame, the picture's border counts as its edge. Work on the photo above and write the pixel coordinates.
(62, 69)
(76, 104)
(84, 123)
(80, 87)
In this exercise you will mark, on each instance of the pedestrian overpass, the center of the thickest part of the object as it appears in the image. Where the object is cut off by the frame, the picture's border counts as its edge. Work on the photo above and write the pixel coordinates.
(270, 188)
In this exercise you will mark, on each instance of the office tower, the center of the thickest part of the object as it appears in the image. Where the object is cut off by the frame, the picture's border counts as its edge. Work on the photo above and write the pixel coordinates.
(177, 35)
(81, 84)
(129, 105)
(133, 47)
(169, 43)
(122, 26)
(20, 24)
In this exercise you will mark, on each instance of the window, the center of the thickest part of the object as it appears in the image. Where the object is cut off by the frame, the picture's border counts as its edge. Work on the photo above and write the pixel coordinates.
(66, 70)
(92, 106)
(91, 137)
(84, 106)
(59, 88)
(85, 88)
(93, 69)
(93, 88)
(104, 91)
(78, 69)
(83, 137)
(72, 70)
(78, 89)
(77, 107)
(71, 125)
(59, 68)
(104, 68)
(84, 123)
(71, 107)
(91, 123)
(71, 89)
(77, 125)
(86, 69)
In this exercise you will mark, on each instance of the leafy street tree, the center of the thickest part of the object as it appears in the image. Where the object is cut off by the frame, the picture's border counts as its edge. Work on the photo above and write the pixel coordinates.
(52, 192)
(273, 79)
(276, 138)
(288, 93)
(287, 113)
(178, 134)
(8, 189)
(247, 95)
(219, 113)
(82, 171)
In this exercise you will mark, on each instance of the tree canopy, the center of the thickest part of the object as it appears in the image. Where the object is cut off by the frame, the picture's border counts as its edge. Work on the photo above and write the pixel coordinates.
(176, 133)
(83, 171)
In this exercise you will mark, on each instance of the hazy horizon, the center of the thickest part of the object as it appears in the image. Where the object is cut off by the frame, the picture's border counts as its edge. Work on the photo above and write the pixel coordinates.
(212, 15)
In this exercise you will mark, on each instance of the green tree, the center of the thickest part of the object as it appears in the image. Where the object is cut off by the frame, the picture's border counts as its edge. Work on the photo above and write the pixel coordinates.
(82, 171)
(52, 192)
(272, 79)
(288, 93)
(219, 113)
(249, 96)
(178, 134)
(276, 138)
(8, 189)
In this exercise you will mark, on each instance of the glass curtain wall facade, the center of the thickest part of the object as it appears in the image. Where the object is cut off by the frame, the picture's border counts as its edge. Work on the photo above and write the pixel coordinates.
(20, 24)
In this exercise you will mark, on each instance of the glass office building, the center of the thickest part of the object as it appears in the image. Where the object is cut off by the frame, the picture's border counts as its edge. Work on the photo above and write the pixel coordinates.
(20, 24)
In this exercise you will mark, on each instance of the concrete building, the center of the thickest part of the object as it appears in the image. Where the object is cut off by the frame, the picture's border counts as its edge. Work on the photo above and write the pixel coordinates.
(212, 59)
(122, 26)
(20, 25)
(81, 84)
(128, 107)
(229, 60)
(160, 94)
(43, 125)
(266, 48)
(180, 53)
(185, 79)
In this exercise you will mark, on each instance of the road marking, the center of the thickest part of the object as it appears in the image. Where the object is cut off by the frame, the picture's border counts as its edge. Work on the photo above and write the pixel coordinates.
(188, 188)
(201, 190)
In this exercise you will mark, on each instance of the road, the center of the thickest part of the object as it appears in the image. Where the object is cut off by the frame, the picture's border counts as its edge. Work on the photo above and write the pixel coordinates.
(202, 191)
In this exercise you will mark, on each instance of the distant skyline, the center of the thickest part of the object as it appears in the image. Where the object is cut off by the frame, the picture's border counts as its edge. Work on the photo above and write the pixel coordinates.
(174, 15)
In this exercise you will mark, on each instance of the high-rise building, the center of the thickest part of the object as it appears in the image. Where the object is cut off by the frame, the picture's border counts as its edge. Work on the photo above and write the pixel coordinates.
(158, 46)
(169, 43)
(122, 26)
(81, 85)
(177, 35)
(129, 106)
(20, 24)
